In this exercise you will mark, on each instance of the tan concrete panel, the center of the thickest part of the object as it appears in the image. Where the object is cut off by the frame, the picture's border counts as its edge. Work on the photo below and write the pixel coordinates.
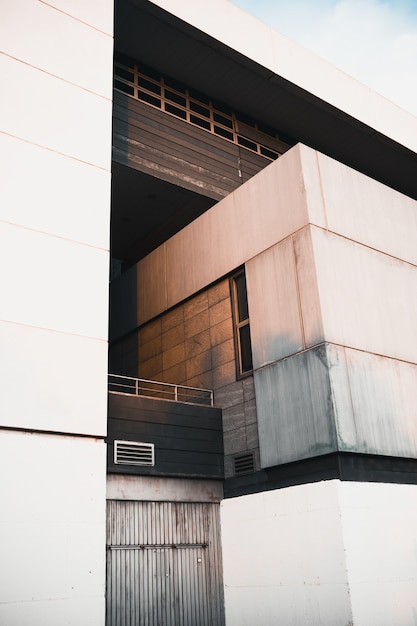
(150, 349)
(273, 304)
(220, 312)
(195, 305)
(151, 291)
(312, 186)
(87, 64)
(177, 374)
(224, 374)
(368, 299)
(172, 319)
(219, 292)
(307, 285)
(272, 204)
(173, 356)
(197, 344)
(202, 252)
(152, 368)
(202, 381)
(198, 364)
(197, 324)
(151, 331)
(223, 352)
(366, 211)
(233, 231)
(221, 332)
(173, 337)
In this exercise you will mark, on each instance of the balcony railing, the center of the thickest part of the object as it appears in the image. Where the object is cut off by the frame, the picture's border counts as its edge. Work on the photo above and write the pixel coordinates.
(155, 389)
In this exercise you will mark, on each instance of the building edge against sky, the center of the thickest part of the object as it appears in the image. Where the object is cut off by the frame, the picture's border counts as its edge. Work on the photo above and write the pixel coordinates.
(346, 551)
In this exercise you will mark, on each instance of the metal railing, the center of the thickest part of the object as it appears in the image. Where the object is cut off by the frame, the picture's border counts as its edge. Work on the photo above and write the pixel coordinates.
(155, 389)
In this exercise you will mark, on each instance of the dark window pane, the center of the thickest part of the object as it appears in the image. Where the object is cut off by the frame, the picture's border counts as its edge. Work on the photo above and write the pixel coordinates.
(175, 111)
(174, 97)
(246, 143)
(123, 87)
(146, 84)
(241, 297)
(197, 108)
(223, 120)
(120, 72)
(245, 348)
(142, 95)
(200, 122)
(269, 153)
(223, 132)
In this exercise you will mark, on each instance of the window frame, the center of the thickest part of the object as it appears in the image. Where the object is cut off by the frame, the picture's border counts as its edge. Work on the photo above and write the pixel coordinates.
(239, 324)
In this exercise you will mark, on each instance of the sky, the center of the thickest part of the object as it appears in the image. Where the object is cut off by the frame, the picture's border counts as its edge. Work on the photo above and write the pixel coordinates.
(374, 41)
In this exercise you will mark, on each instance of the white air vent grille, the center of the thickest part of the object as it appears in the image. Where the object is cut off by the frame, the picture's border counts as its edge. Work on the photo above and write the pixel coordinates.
(244, 464)
(134, 453)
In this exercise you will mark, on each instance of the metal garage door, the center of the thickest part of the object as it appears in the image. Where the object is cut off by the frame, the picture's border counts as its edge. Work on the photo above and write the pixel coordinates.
(163, 564)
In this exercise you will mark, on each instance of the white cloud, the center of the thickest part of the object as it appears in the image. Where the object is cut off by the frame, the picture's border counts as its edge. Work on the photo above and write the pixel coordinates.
(373, 40)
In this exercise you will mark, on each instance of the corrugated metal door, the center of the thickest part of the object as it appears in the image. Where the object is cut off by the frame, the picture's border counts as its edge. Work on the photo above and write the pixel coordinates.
(163, 564)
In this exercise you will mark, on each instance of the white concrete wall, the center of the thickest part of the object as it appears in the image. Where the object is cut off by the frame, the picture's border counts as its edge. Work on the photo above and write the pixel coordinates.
(52, 530)
(379, 525)
(326, 553)
(283, 558)
(55, 153)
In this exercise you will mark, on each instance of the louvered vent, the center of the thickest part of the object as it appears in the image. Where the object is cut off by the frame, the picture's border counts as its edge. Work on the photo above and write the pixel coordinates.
(244, 464)
(134, 453)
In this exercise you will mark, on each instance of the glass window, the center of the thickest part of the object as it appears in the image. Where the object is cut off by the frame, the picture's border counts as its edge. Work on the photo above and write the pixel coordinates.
(241, 323)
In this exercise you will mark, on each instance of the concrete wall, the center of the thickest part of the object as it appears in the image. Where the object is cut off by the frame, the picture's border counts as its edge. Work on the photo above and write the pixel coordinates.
(55, 146)
(317, 554)
(330, 262)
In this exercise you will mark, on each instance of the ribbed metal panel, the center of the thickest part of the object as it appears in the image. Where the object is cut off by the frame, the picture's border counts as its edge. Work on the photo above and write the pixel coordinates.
(164, 564)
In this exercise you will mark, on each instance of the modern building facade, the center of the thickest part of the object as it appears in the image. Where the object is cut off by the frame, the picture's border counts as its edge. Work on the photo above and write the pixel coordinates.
(256, 212)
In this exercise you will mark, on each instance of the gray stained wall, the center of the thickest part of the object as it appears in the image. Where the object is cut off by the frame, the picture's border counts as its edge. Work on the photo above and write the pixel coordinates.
(193, 344)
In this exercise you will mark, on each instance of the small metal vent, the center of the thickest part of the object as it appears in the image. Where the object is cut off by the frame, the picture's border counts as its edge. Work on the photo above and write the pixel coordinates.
(244, 464)
(134, 453)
